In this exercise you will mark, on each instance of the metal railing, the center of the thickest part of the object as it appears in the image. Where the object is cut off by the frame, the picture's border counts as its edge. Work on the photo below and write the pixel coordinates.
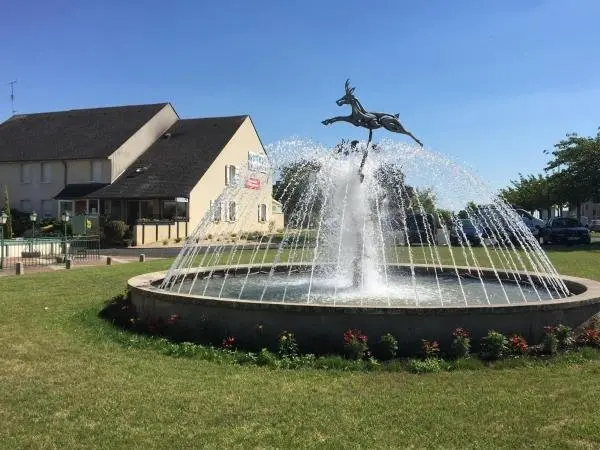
(47, 251)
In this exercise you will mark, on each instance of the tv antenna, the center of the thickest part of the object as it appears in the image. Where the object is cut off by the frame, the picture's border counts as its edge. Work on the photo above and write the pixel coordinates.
(12, 95)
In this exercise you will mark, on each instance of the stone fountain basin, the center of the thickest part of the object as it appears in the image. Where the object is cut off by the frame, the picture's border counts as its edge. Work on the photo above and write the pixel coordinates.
(320, 328)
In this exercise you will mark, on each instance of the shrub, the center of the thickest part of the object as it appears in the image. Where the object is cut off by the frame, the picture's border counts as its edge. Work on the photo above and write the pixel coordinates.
(427, 365)
(590, 336)
(461, 344)
(388, 347)
(178, 240)
(266, 358)
(517, 345)
(287, 345)
(115, 231)
(165, 241)
(355, 344)
(431, 349)
(209, 236)
(494, 345)
(564, 334)
(550, 340)
(233, 235)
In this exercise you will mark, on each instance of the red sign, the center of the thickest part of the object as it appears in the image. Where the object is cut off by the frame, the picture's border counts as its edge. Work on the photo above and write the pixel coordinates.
(252, 183)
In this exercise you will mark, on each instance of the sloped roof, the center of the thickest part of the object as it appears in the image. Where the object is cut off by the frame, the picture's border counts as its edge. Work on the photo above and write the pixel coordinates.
(174, 164)
(72, 191)
(74, 134)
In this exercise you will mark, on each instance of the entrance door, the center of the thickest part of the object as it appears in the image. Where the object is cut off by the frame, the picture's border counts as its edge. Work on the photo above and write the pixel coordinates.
(133, 211)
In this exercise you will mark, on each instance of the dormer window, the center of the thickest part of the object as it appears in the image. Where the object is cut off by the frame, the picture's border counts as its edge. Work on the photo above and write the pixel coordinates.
(96, 171)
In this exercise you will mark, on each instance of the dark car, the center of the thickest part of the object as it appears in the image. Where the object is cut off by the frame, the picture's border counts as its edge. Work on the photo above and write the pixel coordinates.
(565, 230)
(464, 230)
(421, 228)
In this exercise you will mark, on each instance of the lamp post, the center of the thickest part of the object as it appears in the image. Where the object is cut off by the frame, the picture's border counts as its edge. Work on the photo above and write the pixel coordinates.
(3, 219)
(65, 219)
(33, 218)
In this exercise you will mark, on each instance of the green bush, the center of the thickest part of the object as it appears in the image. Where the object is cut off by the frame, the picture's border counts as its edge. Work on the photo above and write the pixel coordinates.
(115, 231)
(287, 345)
(550, 341)
(461, 344)
(178, 240)
(494, 345)
(427, 365)
(355, 344)
(387, 347)
(566, 339)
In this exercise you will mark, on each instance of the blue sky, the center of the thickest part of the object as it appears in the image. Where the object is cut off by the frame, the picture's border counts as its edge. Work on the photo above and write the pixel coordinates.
(490, 84)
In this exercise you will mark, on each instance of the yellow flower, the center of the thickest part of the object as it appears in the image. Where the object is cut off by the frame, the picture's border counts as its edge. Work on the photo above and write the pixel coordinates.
(284, 337)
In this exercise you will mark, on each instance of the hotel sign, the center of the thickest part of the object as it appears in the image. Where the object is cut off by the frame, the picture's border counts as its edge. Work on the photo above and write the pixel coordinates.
(257, 163)
(252, 183)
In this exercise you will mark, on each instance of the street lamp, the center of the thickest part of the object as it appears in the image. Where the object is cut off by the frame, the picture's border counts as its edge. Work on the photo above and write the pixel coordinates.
(65, 219)
(33, 218)
(3, 219)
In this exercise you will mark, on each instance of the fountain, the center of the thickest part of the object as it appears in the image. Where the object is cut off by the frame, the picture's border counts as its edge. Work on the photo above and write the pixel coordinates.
(384, 237)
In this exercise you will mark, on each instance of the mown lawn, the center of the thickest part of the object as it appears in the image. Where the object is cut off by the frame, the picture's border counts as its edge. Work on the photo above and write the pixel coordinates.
(64, 383)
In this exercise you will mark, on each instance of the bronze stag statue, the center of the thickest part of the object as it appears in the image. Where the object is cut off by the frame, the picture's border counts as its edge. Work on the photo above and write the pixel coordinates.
(360, 117)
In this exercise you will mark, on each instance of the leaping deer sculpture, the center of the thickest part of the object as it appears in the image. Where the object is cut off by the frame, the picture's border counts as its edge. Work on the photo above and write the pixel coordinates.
(360, 117)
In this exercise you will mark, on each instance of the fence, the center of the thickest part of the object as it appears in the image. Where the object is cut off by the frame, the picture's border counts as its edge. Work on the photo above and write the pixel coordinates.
(46, 251)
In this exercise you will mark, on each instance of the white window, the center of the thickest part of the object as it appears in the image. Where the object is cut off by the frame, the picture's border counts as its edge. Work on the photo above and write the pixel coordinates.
(216, 210)
(232, 212)
(25, 173)
(231, 178)
(46, 173)
(25, 206)
(48, 208)
(262, 212)
(96, 171)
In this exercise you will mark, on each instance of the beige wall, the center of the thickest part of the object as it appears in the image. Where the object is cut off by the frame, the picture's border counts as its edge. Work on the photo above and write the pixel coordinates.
(125, 155)
(35, 191)
(212, 184)
(147, 233)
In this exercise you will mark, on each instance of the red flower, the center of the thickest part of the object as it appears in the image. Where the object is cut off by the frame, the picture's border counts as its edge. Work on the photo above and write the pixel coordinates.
(228, 342)
(355, 335)
(460, 332)
(173, 319)
(517, 344)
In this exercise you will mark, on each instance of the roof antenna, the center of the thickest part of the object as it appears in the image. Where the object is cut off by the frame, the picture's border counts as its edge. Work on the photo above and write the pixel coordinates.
(12, 95)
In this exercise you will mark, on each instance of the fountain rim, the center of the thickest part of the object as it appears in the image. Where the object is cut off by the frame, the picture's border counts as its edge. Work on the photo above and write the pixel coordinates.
(584, 291)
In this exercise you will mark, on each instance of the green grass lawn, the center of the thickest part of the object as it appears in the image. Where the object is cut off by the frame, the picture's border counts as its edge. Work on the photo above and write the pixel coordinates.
(65, 383)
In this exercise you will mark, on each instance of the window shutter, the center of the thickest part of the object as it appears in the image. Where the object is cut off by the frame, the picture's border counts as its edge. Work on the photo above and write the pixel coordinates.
(259, 212)
(226, 210)
(226, 174)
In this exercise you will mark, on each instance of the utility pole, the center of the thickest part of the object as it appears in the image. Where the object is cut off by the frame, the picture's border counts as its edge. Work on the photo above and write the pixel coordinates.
(12, 95)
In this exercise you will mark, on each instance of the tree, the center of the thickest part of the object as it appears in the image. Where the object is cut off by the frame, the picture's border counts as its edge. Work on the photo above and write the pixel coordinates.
(575, 167)
(532, 193)
(295, 184)
(391, 180)
(8, 231)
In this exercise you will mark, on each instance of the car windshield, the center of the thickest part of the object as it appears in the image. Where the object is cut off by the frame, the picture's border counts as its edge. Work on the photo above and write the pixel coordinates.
(566, 222)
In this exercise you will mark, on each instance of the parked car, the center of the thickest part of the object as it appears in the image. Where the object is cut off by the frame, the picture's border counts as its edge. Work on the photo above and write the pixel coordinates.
(565, 230)
(464, 229)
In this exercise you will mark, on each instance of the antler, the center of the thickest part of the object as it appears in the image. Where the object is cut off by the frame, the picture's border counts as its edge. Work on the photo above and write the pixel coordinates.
(347, 85)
